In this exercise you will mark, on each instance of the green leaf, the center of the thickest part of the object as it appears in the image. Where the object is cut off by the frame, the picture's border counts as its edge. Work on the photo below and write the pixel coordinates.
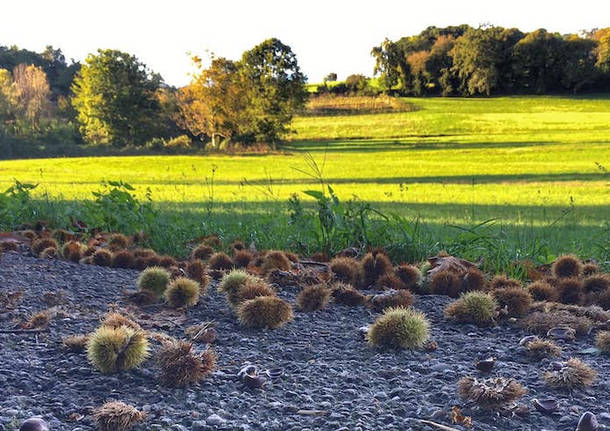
(315, 194)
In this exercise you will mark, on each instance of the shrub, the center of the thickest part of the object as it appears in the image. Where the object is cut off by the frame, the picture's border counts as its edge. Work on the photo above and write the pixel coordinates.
(602, 341)
(116, 349)
(202, 252)
(572, 374)
(409, 275)
(570, 291)
(313, 298)
(179, 143)
(116, 416)
(40, 244)
(275, 260)
(118, 241)
(264, 312)
(181, 366)
(102, 257)
(567, 266)
(374, 265)
(445, 283)
(182, 292)
(346, 270)
(596, 283)
(492, 393)
(345, 294)
(516, 300)
(538, 348)
(473, 307)
(75, 343)
(542, 291)
(154, 280)
(220, 261)
(503, 282)
(394, 298)
(399, 328)
(242, 258)
(123, 259)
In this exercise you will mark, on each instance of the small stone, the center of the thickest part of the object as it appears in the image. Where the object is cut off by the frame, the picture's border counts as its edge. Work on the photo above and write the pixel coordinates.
(199, 425)
(380, 395)
(214, 419)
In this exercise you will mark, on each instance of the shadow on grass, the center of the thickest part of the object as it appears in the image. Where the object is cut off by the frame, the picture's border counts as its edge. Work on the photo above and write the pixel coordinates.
(397, 180)
(371, 146)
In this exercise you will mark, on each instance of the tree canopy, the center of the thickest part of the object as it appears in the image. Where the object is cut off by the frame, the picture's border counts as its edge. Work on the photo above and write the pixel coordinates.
(115, 97)
(253, 99)
(491, 60)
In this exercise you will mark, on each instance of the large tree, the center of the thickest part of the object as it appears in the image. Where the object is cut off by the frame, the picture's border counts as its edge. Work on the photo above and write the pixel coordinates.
(115, 97)
(482, 59)
(276, 88)
(214, 104)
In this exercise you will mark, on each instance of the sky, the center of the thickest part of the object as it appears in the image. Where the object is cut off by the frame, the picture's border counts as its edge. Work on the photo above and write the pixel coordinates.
(326, 35)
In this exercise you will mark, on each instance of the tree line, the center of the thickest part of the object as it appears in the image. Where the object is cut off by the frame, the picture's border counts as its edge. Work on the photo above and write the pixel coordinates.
(51, 106)
(462, 60)
(113, 100)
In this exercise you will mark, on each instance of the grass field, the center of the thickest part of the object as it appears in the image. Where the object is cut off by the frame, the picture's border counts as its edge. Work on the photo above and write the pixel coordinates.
(537, 165)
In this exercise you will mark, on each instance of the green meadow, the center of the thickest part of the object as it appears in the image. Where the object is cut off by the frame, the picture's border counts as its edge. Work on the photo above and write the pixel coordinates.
(537, 167)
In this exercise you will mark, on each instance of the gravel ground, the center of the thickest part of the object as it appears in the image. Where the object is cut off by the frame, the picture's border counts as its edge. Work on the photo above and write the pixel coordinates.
(327, 367)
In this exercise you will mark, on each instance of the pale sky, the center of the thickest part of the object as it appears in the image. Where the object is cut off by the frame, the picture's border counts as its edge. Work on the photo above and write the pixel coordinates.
(327, 36)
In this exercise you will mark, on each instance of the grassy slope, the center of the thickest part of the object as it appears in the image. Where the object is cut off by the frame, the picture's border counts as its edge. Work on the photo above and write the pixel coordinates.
(522, 160)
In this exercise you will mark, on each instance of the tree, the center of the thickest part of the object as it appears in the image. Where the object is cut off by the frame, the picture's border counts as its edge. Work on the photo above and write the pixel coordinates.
(602, 51)
(331, 77)
(115, 97)
(215, 103)
(275, 86)
(391, 65)
(59, 73)
(482, 59)
(356, 84)
(32, 93)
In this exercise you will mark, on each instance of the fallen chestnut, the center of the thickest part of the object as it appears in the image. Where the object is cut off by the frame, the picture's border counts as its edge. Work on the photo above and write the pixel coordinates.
(587, 422)
(545, 406)
(485, 365)
(560, 333)
(250, 377)
(34, 424)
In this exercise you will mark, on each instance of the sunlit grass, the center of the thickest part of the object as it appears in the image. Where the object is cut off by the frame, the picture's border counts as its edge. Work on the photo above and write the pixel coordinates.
(529, 162)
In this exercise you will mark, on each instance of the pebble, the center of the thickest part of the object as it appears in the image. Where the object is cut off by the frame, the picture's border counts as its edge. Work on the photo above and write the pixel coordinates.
(325, 367)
